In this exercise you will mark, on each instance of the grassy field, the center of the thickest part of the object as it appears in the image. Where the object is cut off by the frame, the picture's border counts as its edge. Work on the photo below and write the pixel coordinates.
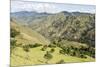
(35, 56)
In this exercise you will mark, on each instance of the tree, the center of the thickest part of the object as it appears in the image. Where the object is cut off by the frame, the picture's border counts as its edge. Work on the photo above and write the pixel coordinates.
(52, 50)
(34, 45)
(68, 50)
(62, 52)
(82, 56)
(44, 48)
(60, 62)
(47, 56)
(13, 44)
(14, 33)
(52, 45)
(26, 48)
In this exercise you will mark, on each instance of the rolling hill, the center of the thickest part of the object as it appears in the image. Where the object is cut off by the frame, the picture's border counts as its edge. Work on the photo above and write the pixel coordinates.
(27, 35)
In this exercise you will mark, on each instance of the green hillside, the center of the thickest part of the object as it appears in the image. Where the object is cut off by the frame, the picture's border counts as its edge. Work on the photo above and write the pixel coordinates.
(28, 36)
(36, 56)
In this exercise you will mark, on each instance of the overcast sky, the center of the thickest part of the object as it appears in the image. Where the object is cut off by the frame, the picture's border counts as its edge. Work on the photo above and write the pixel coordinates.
(91, 2)
(17, 6)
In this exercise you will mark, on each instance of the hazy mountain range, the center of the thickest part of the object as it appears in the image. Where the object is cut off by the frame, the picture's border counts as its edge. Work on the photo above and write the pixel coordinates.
(74, 26)
(25, 16)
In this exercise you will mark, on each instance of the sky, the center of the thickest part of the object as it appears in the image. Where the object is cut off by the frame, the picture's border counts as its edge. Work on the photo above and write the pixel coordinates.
(91, 2)
(21, 5)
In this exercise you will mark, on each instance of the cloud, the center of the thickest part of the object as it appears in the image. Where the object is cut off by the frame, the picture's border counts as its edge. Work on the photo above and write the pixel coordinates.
(17, 6)
(32, 6)
(91, 2)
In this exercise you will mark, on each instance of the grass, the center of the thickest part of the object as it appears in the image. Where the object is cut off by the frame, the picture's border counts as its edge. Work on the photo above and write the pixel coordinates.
(35, 56)
(27, 35)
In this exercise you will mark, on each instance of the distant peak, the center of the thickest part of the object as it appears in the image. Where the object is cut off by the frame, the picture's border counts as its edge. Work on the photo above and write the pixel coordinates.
(64, 12)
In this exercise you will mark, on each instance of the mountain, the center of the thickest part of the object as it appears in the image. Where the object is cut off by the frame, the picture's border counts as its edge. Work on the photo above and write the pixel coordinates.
(74, 26)
(27, 17)
(68, 26)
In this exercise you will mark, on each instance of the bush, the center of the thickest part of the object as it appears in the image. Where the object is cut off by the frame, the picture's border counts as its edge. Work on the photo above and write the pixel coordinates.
(73, 53)
(47, 56)
(14, 33)
(52, 45)
(31, 45)
(12, 44)
(26, 48)
(44, 48)
(37, 45)
(62, 52)
(52, 50)
(68, 50)
(82, 56)
(60, 62)
(34, 45)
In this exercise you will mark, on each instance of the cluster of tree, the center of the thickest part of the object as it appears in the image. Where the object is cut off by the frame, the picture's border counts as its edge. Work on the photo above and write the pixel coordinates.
(44, 48)
(26, 47)
(78, 52)
(50, 46)
(13, 42)
(81, 52)
(14, 33)
(48, 56)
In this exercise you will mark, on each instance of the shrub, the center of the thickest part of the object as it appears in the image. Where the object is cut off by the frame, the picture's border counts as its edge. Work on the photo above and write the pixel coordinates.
(34, 45)
(52, 50)
(52, 45)
(48, 56)
(60, 62)
(37, 45)
(68, 50)
(62, 52)
(31, 45)
(12, 44)
(26, 48)
(82, 56)
(44, 48)
(14, 33)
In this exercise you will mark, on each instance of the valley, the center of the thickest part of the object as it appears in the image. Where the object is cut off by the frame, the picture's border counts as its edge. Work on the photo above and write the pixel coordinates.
(44, 38)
